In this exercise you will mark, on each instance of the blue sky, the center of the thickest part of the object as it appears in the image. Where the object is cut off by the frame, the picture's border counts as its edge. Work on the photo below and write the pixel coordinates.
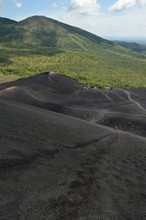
(102, 17)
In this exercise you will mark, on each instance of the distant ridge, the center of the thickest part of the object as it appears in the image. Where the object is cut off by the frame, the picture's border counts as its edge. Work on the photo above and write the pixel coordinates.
(43, 31)
(6, 21)
(136, 47)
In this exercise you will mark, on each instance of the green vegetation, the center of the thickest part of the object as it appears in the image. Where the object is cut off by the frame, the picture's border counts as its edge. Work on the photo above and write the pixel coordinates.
(40, 31)
(136, 47)
(102, 68)
(40, 44)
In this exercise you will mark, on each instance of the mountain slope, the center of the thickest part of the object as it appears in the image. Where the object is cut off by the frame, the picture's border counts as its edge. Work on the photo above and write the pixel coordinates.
(6, 21)
(136, 47)
(39, 44)
(43, 31)
(57, 167)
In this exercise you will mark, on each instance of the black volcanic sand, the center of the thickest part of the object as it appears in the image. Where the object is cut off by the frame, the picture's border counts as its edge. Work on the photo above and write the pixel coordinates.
(57, 167)
(122, 109)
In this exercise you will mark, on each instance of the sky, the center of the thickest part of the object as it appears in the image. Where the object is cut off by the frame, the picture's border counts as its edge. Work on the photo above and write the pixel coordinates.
(101, 17)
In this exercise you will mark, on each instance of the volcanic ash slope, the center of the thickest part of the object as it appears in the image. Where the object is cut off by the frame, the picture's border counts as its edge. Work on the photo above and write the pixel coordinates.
(53, 166)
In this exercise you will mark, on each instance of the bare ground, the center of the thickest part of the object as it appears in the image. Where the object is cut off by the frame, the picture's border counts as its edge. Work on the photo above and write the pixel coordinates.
(57, 162)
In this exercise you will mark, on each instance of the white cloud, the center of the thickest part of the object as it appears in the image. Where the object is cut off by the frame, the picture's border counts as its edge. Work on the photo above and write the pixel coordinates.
(120, 5)
(142, 2)
(88, 7)
(55, 5)
(125, 24)
(18, 4)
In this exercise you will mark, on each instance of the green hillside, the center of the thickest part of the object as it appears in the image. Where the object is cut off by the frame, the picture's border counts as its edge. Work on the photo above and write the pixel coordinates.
(43, 31)
(136, 47)
(39, 44)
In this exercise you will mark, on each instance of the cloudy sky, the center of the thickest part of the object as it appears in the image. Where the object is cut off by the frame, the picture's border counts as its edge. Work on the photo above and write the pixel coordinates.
(102, 17)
